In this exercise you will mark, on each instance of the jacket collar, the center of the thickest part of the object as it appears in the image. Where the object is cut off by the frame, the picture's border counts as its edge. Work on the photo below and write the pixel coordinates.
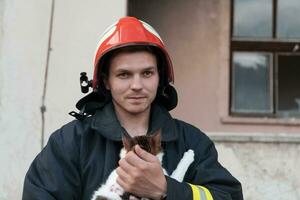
(106, 123)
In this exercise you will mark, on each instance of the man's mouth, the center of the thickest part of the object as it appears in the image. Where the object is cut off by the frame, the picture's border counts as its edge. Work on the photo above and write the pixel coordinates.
(136, 97)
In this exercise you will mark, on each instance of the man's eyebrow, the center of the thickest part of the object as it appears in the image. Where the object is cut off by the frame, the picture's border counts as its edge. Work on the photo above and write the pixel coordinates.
(150, 68)
(126, 70)
(122, 70)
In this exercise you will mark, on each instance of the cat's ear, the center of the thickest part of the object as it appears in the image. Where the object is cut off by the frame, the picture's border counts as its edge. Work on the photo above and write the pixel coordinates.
(127, 143)
(156, 141)
(127, 140)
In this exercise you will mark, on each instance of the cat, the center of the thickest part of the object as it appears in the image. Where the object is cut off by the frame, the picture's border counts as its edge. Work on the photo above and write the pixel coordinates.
(111, 190)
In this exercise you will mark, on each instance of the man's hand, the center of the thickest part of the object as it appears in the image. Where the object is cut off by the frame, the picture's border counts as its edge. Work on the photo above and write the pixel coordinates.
(141, 174)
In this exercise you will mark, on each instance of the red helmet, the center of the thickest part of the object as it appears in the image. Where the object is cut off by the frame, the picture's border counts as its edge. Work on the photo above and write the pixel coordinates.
(129, 31)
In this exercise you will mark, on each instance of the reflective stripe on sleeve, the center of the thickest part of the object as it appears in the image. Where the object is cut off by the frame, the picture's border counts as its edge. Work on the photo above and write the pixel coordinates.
(207, 193)
(196, 192)
(200, 193)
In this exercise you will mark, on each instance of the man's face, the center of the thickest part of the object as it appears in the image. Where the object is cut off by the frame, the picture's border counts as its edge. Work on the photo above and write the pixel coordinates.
(133, 80)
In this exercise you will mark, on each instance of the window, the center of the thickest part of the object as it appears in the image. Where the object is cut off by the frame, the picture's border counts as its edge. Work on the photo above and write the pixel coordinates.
(265, 58)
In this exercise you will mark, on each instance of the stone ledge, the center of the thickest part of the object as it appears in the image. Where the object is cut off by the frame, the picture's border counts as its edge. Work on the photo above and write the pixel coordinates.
(255, 137)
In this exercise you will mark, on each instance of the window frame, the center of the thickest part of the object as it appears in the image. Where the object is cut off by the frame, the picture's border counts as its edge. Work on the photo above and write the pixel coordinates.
(274, 46)
(276, 68)
(271, 81)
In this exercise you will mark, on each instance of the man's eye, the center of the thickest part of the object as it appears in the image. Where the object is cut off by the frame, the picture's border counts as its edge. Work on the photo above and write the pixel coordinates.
(148, 73)
(123, 75)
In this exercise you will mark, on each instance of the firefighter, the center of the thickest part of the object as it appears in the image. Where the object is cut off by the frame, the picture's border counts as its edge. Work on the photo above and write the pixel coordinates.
(132, 89)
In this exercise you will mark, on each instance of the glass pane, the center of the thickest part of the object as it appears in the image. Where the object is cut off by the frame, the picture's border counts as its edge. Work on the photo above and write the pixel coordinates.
(252, 18)
(251, 83)
(288, 25)
(289, 85)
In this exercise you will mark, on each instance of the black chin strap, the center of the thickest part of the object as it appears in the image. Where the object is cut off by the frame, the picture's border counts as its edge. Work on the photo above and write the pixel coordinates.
(88, 105)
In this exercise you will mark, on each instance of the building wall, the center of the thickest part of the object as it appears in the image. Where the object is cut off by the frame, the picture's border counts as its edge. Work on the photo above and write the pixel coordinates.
(24, 37)
(77, 27)
(261, 153)
(23, 43)
(199, 44)
(192, 33)
(266, 170)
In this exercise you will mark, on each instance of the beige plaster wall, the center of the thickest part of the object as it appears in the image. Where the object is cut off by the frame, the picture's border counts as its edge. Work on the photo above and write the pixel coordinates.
(24, 35)
(77, 27)
(23, 44)
(266, 170)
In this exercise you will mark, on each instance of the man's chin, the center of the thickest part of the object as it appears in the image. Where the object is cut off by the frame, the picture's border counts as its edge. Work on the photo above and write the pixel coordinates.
(137, 109)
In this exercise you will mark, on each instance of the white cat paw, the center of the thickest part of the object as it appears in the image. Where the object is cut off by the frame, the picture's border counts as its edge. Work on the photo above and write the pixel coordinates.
(189, 155)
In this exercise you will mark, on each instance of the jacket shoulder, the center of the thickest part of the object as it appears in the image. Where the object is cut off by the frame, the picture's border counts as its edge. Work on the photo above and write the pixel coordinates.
(193, 138)
(71, 132)
(189, 131)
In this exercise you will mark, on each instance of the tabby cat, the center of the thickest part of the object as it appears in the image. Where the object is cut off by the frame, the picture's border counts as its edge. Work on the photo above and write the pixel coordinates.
(111, 190)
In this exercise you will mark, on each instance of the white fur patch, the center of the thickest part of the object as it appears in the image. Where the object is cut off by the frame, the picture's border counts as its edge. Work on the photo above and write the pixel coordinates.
(111, 190)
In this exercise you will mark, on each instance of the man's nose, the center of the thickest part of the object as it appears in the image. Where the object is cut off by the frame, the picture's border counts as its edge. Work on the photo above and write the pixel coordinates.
(136, 83)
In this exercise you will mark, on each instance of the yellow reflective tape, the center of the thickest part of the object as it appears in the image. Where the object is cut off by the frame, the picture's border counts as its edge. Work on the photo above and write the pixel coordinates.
(207, 193)
(201, 193)
(196, 193)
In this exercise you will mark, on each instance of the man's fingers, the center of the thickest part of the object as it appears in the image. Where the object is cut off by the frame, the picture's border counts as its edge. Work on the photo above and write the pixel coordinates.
(122, 183)
(134, 160)
(144, 154)
(122, 174)
(125, 165)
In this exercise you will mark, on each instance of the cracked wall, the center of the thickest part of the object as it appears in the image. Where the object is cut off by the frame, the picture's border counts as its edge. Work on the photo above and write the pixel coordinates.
(266, 170)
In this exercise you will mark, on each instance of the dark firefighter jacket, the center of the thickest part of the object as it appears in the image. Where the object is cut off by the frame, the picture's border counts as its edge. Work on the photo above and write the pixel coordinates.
(79, 157)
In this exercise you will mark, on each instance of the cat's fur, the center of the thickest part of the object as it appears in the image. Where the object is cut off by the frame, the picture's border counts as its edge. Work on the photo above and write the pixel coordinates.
(111, 190)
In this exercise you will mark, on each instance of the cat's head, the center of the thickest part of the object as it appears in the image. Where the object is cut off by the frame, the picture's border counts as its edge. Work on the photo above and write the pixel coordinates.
(150, 143)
